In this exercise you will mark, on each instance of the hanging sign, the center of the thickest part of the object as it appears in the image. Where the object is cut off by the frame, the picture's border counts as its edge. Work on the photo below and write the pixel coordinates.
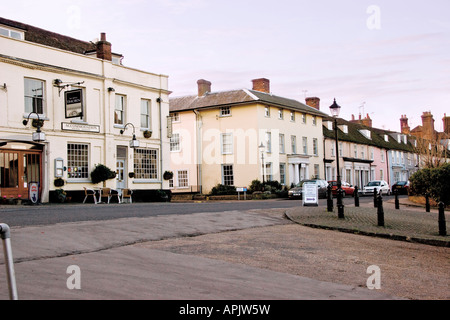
(74, 103)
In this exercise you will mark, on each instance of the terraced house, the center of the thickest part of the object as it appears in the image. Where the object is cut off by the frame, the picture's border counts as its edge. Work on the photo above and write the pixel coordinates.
(234, 137)
(367, 153)
(80, 96)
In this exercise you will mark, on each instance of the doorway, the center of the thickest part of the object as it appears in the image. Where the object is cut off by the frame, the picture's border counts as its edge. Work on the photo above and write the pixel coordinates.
(17, 169)
(121, 167)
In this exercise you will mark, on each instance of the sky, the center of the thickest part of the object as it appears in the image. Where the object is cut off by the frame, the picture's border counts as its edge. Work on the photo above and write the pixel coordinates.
(379, 58)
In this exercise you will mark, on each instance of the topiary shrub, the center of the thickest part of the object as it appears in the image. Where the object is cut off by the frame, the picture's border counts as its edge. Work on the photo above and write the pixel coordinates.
(221, 189)
(435, 181)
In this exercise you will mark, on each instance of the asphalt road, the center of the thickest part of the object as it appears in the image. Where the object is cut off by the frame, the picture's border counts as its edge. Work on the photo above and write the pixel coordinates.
(48, 214)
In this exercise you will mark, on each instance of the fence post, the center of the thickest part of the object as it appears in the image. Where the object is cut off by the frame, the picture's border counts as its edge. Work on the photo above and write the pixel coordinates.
(397, 204)
(375, 200)
(380, 211)
(9, 262)
(442, 225)
(356, 195)
(329, 199)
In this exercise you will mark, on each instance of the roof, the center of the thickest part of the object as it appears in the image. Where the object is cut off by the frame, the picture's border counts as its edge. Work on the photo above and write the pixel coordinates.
(48, 38)
(238, 97)
(376, 139)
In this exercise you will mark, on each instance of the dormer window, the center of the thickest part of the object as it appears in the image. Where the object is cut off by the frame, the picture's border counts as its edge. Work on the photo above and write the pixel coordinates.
(366, 133)
(12, 33)
(386, 138)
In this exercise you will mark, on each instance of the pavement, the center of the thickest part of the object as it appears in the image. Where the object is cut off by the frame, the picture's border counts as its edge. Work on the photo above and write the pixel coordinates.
(112, 261)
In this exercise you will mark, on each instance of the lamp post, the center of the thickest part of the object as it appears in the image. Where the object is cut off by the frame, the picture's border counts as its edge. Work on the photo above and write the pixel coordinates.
(134, 143)
(261, 148)
(37, 136)
(335, 109)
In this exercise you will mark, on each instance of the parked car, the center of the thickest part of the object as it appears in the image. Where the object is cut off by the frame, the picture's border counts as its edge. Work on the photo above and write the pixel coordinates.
(348, 189)
(402, 187)
(376, 185)
(296, 192)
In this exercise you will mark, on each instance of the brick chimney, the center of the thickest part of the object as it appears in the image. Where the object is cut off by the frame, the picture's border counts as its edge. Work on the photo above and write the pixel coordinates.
(313, 102)
(204, 87)
(104, 48)
(427, 125)
(446, 121)
(405, 129)
(262, 85)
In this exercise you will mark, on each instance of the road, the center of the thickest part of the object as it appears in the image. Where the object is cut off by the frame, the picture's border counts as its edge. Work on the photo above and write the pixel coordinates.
(49, 214)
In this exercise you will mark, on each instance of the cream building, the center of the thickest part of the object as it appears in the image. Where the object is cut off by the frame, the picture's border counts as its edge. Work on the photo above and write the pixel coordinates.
(85, 97)
(216, 138)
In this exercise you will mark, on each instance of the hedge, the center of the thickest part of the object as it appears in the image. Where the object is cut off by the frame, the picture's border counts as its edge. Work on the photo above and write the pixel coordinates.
(435, 181)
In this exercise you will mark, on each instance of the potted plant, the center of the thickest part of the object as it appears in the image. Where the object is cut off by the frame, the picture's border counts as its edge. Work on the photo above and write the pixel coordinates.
(61, 195)
(147, 134)
(168, 175)
(59, 182)
(101, 173)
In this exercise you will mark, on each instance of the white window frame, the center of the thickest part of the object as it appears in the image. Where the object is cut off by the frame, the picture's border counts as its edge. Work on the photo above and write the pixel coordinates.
(226, 178)
(119, 109)
(78, 157)
(175, 142)
(182, 179)
(225, 111)
(226, 142)
(28, 98)
(145, 164)
(281, 141)
(146, 114)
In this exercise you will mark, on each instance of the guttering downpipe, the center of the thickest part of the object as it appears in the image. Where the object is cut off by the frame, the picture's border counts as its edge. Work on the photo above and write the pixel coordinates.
(5, 234)
(199, 152)
(159, 100)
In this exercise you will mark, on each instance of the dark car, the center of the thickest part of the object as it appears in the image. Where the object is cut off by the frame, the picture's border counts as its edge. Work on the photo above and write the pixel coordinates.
(345, 186)
(402, 187)
(296, 192)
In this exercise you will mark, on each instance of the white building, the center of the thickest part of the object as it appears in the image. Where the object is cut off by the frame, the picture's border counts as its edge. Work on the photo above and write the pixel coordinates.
(86, 97)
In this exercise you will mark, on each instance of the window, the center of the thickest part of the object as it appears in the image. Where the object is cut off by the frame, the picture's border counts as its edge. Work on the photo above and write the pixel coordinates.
(355, 151)
(267, 111)
(145, 114)
(269, 141)
(305, 145)
(283, 173)
(315, 147)
(281, 137)
(11, 33)
(77, 161)
(183, 181)
(175, 117)
(341, 149)
(314, 120)
(34, 96)
(146, 164)
(175, 142)
(363, 152)
(225, 111)
(119, 109)
(227, 175)
(294, 144)
(304, 118)
(332, 150)
(280, 114)
(293, 116)
(316, 171)
(227, 143)
(269, 174)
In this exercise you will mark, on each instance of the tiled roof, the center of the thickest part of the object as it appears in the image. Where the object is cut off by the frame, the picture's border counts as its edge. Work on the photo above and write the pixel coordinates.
(41, 36)
(238, 97)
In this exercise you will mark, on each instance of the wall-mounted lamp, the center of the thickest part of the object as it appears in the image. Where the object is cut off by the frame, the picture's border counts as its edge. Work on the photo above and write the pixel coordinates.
(37, 136)
(134, 143)
(111, 89)
(4, 87)
(62, 85)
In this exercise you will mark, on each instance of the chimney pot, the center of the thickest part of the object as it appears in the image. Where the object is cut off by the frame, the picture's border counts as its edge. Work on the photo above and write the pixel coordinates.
(104, 48)
(204, 86)
(313, 102)
(262, 85)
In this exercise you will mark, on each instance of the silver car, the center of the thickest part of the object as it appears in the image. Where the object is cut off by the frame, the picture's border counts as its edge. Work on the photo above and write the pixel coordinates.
(376, 185)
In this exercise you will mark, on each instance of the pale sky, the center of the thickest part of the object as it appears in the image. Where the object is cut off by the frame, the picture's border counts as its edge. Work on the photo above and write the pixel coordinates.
(382, 58)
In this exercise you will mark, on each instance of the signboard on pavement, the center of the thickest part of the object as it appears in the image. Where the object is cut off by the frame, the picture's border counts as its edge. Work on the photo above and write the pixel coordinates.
(33, 191)
(310, 194)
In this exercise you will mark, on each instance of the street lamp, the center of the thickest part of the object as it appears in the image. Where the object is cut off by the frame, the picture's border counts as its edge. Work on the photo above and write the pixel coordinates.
(261, 148)
(134, 143)
(37, 136)
(335, 109)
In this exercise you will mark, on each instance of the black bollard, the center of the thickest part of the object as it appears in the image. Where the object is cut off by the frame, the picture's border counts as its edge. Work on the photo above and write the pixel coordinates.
(375, 199)
(442, 225)
(356, 195)
(397, 204)
(427, 202)
(329, 199)
(340, 204)
(380, 211)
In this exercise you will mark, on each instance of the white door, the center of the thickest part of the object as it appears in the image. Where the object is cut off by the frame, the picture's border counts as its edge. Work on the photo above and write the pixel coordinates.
(120, 174)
